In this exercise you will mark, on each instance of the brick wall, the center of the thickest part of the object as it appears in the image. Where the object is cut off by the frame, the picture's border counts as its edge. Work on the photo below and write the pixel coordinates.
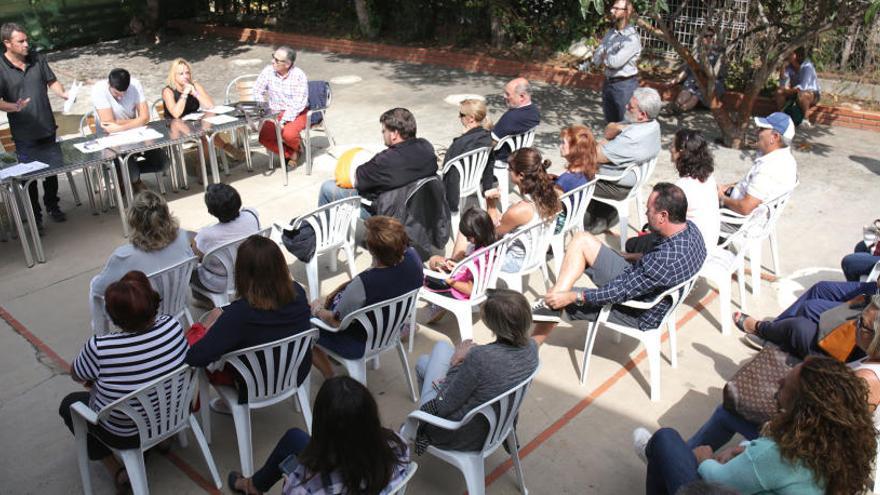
(821, 114)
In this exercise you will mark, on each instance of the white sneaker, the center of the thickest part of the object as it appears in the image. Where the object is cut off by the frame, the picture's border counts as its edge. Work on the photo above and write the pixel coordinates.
(641, 437)
(806, 124)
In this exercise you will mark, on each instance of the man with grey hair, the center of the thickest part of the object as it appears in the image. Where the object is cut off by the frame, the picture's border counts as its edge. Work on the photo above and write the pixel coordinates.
(285, 89)
(635, 140)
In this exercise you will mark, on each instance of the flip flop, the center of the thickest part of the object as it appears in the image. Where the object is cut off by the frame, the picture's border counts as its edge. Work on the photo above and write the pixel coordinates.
(739, 319)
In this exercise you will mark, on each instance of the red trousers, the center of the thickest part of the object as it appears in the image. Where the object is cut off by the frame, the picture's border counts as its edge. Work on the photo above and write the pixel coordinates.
(289, 135)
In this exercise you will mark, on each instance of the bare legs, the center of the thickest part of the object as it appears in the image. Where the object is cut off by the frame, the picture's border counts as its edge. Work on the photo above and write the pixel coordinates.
(322, 362)
(580, 254)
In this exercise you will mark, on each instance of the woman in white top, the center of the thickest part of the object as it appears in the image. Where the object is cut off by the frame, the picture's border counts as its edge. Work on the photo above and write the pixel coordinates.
(528, 171)
(156, 242)
(690, 153)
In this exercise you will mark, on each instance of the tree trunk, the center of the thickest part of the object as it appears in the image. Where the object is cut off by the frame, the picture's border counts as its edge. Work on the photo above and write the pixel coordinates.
(363, 15)
(851, 35)
(496, 26)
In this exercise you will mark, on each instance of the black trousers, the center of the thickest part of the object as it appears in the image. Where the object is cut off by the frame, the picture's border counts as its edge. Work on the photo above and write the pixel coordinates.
(98, 438)
(45, 150)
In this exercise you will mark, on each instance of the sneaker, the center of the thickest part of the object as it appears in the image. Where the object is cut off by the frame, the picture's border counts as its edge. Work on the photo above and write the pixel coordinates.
(641, 437)
(56, 214)
(542, 312)
(806, 124)
(754, 341)
(435, 313)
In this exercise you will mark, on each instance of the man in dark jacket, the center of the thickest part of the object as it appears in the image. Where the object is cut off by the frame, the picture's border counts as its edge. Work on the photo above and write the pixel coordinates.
(406, 160)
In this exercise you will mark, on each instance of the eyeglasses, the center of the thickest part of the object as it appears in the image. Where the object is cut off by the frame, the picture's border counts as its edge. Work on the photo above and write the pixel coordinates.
(276, 61)
(461, 115)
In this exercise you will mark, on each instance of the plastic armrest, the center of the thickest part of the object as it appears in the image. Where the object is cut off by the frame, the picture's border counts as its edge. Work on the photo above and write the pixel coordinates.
(85, 411)
(436, 274)
(640, 304)
(321, 324)
(434, 420)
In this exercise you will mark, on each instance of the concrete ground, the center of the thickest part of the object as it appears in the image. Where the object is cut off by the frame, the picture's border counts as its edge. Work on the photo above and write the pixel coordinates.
(576, 439)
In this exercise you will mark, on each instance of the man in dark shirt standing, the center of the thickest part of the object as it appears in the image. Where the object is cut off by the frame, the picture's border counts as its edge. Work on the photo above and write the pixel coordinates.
(24, 77)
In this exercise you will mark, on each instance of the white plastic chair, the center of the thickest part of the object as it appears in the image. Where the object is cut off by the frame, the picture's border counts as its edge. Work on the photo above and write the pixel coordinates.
(270, 375)
(756, 246)
(382, 323)
(650, 338)
(322, 125)
(160, 410)
(484, 265)
(400, 487)
(872, 277)
(225, 254)
(574, 205)
(535, 240)
(729, 257)
(500, 413)
(643, 172)
(514, 142)
(171, 283)
(334, 225)
(470, 168)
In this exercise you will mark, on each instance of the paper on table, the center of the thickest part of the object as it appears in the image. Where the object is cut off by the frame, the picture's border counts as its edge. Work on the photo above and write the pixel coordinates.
(131, 136)
(193, 116)
(220, 119)
(22, 169)
(71, 96)
(219, 109)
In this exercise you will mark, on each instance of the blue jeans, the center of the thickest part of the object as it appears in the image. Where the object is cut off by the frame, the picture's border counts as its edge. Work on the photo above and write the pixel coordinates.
(430, 369)
(671, 464)
(330, 192)
(823, 296)
(861, 262)
(720, 428)
(292, 443)
(615, 96)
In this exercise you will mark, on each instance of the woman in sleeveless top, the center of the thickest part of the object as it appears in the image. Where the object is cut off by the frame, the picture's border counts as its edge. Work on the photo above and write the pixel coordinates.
(183, 96)
(724, 424)
(528, 171)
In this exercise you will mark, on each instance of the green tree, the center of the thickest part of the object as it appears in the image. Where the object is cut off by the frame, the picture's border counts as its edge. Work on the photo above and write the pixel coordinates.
(777, 27)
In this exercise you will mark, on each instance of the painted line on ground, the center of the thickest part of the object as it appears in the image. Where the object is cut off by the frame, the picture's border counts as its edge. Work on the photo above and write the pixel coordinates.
(594, 395)
(19, 328)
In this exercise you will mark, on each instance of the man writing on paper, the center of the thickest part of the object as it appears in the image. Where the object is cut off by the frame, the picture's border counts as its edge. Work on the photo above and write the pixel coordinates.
(24, 79)
(121, 105)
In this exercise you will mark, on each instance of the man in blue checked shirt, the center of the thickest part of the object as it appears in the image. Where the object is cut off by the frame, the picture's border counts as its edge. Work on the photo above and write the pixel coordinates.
(678, 257)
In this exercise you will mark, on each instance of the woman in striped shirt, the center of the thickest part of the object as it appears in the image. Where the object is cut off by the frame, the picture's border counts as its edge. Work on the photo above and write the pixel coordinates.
(114, 365)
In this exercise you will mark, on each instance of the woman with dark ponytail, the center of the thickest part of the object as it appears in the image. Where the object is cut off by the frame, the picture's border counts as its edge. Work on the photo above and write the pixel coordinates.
(540, 203)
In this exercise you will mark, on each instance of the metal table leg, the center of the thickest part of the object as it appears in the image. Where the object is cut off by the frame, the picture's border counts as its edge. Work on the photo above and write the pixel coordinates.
(114, 179)
(126, 177)
(281, 158)
(215, 173)
(24, 198)
(12, 199)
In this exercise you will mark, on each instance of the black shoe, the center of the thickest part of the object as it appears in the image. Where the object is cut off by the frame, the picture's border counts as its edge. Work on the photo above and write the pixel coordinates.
(542, 312)
(57, 215)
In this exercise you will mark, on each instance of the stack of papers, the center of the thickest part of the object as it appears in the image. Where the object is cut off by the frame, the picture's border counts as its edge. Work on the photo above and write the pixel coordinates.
(131, 136)
(219, 109)
(220, 119)
(22, 169)
(193, 116)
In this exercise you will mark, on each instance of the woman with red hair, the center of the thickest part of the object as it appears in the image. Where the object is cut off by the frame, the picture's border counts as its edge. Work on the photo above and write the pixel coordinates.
(578, 147)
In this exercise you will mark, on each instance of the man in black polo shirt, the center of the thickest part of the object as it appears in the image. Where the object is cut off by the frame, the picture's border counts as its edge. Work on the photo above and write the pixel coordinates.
(24, 77)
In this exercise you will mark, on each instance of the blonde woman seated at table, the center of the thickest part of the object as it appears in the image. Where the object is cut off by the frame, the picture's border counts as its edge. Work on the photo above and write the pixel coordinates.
(528, 172)
(157, 242)
(182, 96)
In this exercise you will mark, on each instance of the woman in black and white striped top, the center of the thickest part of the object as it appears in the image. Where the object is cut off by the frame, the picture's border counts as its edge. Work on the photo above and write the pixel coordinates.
(112, 366)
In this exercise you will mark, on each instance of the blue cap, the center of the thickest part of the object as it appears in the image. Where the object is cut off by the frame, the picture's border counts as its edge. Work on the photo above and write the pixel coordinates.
(779, 122)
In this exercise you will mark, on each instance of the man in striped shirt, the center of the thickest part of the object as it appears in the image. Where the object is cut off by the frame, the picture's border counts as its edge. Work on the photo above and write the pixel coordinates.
(286, 89)
(619, 278)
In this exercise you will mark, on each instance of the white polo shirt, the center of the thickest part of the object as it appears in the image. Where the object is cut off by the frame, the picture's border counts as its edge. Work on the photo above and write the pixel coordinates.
(771, 176)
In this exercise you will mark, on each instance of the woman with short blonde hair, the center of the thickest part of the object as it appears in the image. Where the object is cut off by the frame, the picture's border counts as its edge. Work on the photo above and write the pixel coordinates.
(472, 117)
(156, 243)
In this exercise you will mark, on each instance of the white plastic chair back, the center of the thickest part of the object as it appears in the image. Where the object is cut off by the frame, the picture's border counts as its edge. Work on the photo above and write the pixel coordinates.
(240, 89)
(875, 273)
(87, 123)
(500, 413)
(574, 204)
(484, 265)
(470, 168)
(333, 223)
(157, 109)
(159, 409)
(172, 284)
(400, 487)
(225, 254)
(517, 141)
(775, 208)
(270, 370)
(535, 240)
(383, 321)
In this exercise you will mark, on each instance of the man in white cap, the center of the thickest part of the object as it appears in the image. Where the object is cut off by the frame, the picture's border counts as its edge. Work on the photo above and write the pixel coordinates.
(774, 172)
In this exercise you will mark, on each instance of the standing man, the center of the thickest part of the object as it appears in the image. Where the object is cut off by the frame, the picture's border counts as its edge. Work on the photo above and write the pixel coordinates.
(286, 89)
(24, 77)
(619, 53)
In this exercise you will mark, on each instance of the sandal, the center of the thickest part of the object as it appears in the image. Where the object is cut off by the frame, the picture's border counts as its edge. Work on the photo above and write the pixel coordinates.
(123, 486)
(233, 477)
(739, 319)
